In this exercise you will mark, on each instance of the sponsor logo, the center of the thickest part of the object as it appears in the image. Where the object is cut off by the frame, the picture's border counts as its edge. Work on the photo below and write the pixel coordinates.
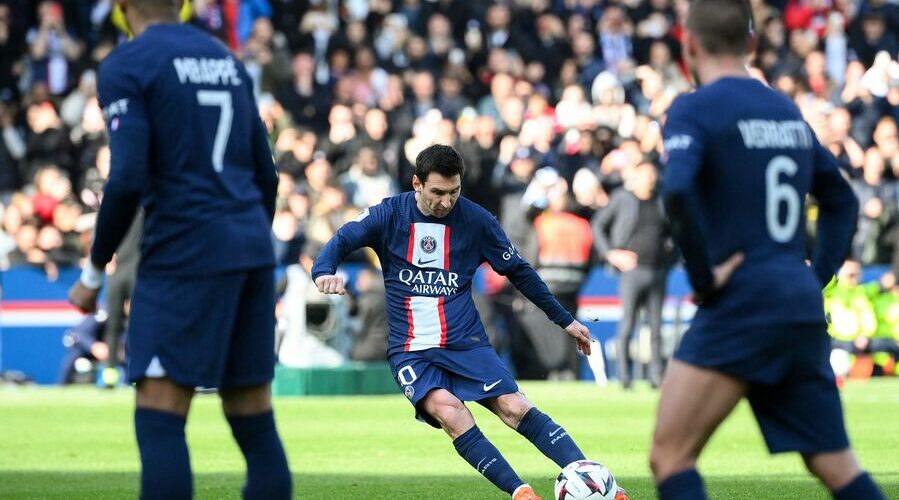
(511, 252)
(487, 388)
(409, 391)
(553, 433)
(428, 244)
(425, 262)
(430, 282)
(362, 215)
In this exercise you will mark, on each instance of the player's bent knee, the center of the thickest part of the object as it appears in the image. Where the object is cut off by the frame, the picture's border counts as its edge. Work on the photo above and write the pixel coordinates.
(164, 394)
(512, 407)
(242, 401)
(448, 411)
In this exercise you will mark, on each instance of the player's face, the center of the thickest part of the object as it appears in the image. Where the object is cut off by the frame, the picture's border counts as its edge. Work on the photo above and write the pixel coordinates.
(437, 195)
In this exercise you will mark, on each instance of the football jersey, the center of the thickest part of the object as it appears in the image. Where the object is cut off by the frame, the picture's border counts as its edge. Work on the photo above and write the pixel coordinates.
(185, 134)
(740, 161)
(429, 264)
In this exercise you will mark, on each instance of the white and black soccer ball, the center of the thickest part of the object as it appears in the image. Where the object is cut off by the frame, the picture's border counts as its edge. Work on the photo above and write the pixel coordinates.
(586, 480)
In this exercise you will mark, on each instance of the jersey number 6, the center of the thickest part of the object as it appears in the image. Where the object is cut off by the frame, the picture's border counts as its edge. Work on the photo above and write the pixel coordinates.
(776, 193)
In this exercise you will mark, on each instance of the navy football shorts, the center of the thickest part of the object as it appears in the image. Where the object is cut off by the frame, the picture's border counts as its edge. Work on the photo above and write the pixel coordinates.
(204, 331)
(471, 375)
(792, 388)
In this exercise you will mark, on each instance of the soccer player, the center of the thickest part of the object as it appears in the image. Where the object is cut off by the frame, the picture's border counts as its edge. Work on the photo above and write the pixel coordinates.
(740, 162)
(187, 144)
(430, 243)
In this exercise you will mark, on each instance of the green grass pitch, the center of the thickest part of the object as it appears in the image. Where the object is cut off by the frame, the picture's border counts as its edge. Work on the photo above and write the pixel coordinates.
(78, 444)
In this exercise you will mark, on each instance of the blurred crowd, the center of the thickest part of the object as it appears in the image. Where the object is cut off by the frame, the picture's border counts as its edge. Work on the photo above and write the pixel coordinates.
(554, 104)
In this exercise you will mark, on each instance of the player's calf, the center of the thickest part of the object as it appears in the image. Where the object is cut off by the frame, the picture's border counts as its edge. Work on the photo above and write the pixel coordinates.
(841, 474)
(252, 422)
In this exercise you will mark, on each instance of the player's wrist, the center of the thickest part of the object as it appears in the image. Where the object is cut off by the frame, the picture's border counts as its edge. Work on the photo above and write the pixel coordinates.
(92, 277)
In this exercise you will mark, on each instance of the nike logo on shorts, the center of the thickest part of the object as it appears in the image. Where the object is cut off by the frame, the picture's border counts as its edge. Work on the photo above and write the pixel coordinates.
(487, 388)
(553, 433)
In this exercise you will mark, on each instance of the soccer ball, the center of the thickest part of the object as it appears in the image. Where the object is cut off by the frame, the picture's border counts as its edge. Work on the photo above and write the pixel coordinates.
(586, 480)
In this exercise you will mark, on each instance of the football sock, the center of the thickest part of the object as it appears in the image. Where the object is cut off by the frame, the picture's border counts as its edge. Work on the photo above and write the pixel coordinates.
(686, 485)
(550, 438)
(268, 476)
(165, 462)
(861, 488)
(483, 456)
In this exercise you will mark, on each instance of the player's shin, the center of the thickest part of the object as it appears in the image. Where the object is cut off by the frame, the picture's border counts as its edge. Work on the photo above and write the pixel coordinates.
(268, 475)
(550, 438)
(165, 462)
(474, 447)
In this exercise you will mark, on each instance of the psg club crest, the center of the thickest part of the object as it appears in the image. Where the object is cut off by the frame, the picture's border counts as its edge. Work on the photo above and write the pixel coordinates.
(428, 244)
(409, 390)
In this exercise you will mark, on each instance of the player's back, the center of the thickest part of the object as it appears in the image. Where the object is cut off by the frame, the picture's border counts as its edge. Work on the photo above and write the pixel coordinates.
(756, 161)
(203, 207)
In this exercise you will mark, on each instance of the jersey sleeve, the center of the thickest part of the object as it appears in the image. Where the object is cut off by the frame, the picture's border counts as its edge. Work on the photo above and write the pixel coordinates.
(838, 214)
(684, 145)
(121, 96)
(499, 252)
(266, 174)
(363, 231)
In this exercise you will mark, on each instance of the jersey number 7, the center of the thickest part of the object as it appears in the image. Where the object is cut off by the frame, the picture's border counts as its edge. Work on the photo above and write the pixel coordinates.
(220, 99)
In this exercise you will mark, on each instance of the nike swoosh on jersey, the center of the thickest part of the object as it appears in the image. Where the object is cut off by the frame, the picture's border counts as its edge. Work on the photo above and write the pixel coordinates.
(491, 386)
(422, 263)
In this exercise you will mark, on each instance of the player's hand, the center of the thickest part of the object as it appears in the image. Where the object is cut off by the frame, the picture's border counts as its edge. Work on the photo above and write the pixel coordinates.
(83, 298)
(581, 335)
(722, 273)
(330, 284)
(623, 260)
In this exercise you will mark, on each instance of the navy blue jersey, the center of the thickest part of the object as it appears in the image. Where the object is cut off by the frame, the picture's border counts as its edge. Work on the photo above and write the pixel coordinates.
(428, 265)
(740, 162)
(188, 144)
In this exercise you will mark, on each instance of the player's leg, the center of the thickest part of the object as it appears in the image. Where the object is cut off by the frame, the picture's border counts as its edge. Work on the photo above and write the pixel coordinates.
(842, 475)
(246, 390)
(693, 402)
(803, 413)
(159, 420)
(516, 411)
(457, 421)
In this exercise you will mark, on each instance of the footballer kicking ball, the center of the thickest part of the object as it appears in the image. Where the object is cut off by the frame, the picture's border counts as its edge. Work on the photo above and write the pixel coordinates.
(586, 480)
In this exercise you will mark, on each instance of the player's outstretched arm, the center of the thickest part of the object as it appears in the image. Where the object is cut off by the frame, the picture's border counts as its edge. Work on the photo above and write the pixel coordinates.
(506, 260)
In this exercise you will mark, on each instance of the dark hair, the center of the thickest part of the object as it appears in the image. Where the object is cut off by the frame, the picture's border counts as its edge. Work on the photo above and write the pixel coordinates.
(722, 26)
(439, 158)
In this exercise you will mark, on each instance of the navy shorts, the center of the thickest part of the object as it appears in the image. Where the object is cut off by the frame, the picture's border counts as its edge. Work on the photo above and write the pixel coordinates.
(471, 375)
(792, 388)
(204, 331)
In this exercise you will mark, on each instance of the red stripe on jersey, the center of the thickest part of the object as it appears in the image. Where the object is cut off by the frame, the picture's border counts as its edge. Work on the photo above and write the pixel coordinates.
(446, 248)
(442, 322)
(411, 332)
(411, 249)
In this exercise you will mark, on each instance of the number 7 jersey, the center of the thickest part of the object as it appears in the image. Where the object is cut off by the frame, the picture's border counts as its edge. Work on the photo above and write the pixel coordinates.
(740, 161)
(185, 131)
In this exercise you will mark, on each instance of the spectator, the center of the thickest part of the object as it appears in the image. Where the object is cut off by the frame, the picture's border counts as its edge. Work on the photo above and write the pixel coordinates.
(366, 183)
(53, 49)
(631, 234)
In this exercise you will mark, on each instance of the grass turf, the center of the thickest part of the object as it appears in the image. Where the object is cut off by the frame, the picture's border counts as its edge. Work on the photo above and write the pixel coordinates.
(77, 443)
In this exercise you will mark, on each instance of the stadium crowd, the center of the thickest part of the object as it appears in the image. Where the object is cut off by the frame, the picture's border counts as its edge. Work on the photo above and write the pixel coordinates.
(554, 104)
